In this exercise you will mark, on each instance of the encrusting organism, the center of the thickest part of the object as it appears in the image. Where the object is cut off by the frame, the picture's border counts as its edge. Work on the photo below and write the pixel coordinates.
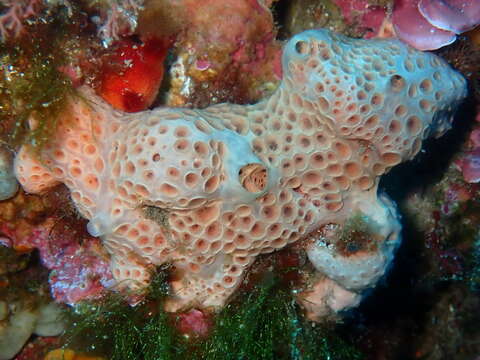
(8, 183)
(237, 181)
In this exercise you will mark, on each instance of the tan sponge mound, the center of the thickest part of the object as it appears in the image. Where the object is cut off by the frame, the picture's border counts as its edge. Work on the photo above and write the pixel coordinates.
(209, 190)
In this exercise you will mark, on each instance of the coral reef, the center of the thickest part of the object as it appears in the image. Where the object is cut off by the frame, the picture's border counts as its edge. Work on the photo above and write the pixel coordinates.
(290, 255)
(232, 182)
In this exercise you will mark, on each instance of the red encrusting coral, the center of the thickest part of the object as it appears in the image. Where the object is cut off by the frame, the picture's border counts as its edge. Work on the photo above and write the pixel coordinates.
(132, 74)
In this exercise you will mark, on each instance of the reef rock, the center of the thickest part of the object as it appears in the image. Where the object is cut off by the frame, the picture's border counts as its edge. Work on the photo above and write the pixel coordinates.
(8, 183)
(209, 190)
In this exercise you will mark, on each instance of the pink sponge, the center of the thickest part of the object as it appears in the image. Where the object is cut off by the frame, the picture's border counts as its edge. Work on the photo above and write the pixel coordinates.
(210, 190)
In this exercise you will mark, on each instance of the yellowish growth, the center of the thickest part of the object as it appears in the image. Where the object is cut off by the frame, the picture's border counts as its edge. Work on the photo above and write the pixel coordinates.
(357, 235)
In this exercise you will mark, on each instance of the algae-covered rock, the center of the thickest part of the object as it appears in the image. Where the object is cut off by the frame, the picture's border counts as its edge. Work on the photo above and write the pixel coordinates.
(8, 183)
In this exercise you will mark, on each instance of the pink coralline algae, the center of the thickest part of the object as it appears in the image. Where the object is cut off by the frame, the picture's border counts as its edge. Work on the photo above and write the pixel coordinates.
(431, 24)
(194, 323)
(210, 190)
(12, 21)
(226, 52)
(469, 163)
(470, 166)
(79, 271)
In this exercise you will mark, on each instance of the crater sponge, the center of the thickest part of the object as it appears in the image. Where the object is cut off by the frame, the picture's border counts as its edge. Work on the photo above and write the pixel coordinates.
(231, 182)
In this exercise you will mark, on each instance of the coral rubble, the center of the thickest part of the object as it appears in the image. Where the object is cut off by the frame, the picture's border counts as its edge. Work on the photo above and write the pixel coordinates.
(231, 182)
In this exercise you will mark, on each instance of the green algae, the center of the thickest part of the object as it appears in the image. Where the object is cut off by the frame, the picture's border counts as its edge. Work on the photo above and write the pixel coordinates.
(31, 83)
(262, 323)
(356, 234)
(114, 328)
(159, 215)
(266, 323)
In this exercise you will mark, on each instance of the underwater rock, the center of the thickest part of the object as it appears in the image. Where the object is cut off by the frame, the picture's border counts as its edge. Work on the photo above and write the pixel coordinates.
(226, 52)
(359, 18)
(8, 182)
(231, 182)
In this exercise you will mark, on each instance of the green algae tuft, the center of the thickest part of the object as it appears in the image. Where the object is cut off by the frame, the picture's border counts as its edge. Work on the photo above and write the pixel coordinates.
(32, 84)
(357, 234)
(267, 324)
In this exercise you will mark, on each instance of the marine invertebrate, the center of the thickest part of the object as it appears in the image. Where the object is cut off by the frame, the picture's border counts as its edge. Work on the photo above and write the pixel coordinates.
(237, 181)
(457, 16)
(132, 74)
(431, 24)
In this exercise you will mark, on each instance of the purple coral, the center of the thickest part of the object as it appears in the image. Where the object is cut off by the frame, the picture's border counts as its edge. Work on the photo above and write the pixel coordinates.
(432, 24)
